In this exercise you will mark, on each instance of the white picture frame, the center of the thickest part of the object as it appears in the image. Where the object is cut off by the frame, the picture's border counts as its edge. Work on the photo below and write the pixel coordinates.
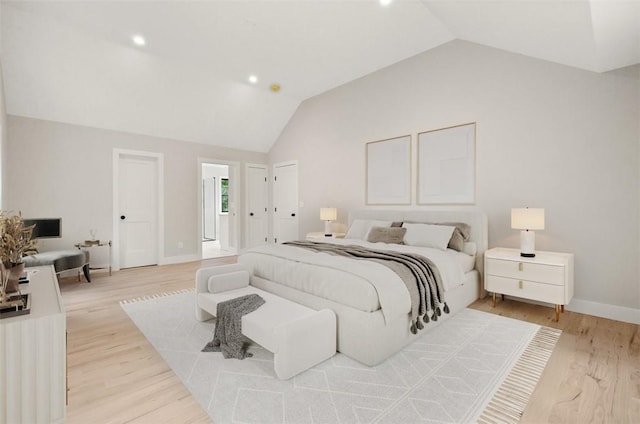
(388, 171)
(447, 165)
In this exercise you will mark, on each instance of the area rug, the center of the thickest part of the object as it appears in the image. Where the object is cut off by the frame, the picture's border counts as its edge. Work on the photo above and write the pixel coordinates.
(473, 367)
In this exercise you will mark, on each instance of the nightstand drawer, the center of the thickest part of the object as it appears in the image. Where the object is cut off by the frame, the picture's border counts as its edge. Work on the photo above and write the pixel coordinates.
(549, 274)
(526, 289)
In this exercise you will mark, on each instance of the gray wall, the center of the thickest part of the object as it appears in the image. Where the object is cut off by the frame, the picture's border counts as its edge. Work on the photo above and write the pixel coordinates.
(548, 136)
(61, 170)
(3, 129)
(3, 138)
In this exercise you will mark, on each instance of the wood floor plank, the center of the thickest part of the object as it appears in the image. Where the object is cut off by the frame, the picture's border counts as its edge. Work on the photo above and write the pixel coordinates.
(593, 374)
(115, 375)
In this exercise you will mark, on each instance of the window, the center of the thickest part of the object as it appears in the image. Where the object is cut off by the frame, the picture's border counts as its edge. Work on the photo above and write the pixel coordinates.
(224, 195)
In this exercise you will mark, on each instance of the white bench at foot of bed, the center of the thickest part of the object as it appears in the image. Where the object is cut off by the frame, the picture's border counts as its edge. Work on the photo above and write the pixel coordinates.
(298, 336)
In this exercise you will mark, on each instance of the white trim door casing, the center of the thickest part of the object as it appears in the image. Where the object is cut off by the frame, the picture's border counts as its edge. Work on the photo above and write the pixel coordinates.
(157, 227)
(285, 201)
(256, 199)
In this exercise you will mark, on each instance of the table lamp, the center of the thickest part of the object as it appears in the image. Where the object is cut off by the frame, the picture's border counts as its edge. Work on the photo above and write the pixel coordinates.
(327, 215)
(527, 219)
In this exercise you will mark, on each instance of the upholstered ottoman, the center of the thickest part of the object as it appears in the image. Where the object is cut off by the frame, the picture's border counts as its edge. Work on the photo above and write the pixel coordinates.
(62, 260)
(298, 336)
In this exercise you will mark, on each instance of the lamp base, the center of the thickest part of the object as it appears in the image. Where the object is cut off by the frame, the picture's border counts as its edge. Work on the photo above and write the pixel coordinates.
(527, 244)
(327, 229)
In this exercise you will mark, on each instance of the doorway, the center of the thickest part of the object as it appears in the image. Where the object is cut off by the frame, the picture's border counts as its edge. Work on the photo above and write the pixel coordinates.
(217, 209)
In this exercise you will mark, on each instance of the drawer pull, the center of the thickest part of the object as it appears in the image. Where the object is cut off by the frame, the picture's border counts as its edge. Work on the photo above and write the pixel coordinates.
(520, 284)
(520, 266)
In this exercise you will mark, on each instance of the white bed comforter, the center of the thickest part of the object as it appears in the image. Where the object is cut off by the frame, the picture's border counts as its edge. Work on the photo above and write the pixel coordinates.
(360, 284)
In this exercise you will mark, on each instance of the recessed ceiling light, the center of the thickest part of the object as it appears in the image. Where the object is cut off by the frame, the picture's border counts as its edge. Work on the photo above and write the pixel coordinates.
(253, 79)
(138, 40)
(385, 2)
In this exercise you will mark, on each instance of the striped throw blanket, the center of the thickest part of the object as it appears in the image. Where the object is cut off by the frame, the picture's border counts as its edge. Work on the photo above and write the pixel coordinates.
(419, 274)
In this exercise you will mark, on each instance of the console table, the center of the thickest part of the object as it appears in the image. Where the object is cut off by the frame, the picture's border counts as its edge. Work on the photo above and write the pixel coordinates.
(33, 364)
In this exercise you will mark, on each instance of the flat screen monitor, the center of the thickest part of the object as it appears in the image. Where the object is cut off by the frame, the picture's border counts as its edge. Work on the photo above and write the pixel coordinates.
(45, 227)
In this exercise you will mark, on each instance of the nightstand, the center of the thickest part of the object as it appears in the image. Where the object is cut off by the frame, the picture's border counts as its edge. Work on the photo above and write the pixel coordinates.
(548, 277)
(315, 235)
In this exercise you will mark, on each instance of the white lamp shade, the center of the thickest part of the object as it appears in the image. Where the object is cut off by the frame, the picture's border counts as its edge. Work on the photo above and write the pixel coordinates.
(328, 214)
(527, 218)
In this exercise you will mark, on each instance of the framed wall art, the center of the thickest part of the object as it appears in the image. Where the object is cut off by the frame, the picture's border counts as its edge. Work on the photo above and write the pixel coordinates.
(388, 171)
(447, 165)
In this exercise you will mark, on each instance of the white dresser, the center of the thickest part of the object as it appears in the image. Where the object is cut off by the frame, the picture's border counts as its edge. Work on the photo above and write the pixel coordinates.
(33, 355)
(547, 277)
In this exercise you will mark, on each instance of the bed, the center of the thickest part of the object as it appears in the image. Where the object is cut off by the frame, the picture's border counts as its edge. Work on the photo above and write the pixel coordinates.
(371, 304)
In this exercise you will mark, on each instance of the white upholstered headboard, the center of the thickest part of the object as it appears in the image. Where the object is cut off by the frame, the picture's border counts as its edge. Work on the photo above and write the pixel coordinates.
(475, 218)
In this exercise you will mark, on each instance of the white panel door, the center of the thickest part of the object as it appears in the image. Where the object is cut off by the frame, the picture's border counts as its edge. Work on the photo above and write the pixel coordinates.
(209, 209)
(285, 202)
(257, 227)
(138, 204)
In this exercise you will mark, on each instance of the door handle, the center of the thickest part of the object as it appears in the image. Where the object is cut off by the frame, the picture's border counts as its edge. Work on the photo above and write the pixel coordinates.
(122, 217)
(251, 214)
(293, 214)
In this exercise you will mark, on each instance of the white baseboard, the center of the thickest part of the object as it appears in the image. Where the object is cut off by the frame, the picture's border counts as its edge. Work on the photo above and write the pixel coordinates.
(167, 260)
(587, 307)
(618, 313)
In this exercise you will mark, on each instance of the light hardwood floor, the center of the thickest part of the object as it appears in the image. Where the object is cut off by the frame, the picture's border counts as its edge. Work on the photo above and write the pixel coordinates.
(115, 376)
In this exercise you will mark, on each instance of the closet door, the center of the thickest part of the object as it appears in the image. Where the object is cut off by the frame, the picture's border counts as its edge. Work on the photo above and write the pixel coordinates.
(257, 192)
(285, 201)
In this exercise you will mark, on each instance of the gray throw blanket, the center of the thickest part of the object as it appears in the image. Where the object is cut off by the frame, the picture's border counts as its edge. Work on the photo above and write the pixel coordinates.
(227, 336)
(419, 274)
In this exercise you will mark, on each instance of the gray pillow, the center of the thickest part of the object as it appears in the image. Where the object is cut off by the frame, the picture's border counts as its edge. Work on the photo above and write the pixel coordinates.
(463, 228)
(457, 240)
(393, 235)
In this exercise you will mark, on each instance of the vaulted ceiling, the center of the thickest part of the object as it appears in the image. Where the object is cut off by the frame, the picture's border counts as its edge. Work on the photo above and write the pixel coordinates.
(75, 62)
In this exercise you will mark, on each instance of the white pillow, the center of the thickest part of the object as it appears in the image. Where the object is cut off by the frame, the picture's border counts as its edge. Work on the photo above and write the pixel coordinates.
(359, 228)
(427, 235)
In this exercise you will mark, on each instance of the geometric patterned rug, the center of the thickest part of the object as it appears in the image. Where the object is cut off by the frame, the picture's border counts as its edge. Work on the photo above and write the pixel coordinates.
(473, 367)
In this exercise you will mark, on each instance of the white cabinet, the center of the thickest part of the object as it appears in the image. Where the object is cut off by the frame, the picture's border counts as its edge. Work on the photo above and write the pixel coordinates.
(547, 277)
(33, 355)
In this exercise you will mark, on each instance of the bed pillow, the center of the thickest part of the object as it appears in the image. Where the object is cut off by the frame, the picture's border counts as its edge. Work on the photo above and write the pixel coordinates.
(456, 242)
(394, 235)
(462, 227)
(428, 235)
(459, 236)
(470, 248)
(359, 228)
